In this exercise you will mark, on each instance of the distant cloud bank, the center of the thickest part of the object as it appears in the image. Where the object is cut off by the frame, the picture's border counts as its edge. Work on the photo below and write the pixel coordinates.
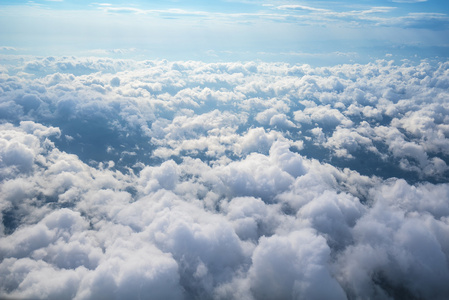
(182, 179)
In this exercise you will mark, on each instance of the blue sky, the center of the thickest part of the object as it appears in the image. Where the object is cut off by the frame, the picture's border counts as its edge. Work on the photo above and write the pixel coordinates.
(293, 31)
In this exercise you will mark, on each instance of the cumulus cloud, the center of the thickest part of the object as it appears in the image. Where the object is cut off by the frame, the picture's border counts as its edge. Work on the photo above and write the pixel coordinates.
(181, 180)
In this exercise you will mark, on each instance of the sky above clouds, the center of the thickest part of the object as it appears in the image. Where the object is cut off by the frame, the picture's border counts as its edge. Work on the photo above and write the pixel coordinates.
(317, 32)
(224, 150)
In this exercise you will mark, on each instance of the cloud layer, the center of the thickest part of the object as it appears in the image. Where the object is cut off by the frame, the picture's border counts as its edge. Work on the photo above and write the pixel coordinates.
(181, 180)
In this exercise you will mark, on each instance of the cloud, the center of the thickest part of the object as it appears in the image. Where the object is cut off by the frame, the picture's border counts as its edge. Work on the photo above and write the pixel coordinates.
(301, 7)
(377, 15)
(181, 180)
(435, 21)
(284, 267)
(395, 243)
(122, 10)
(184, 132)
(8, 49)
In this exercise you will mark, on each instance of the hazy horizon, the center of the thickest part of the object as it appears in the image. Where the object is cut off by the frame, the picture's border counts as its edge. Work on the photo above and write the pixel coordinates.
(317, 32)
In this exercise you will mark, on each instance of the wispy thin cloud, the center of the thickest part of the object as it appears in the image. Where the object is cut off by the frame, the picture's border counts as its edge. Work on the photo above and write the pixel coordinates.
(302, 7)
(291, 13)
(124, 10)
(7, 48)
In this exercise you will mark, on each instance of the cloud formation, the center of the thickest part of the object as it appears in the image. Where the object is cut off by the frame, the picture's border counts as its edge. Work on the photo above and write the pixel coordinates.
(181, 180)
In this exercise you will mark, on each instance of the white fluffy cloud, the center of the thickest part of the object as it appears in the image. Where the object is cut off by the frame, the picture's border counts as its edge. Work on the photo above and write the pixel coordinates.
(180, 180)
